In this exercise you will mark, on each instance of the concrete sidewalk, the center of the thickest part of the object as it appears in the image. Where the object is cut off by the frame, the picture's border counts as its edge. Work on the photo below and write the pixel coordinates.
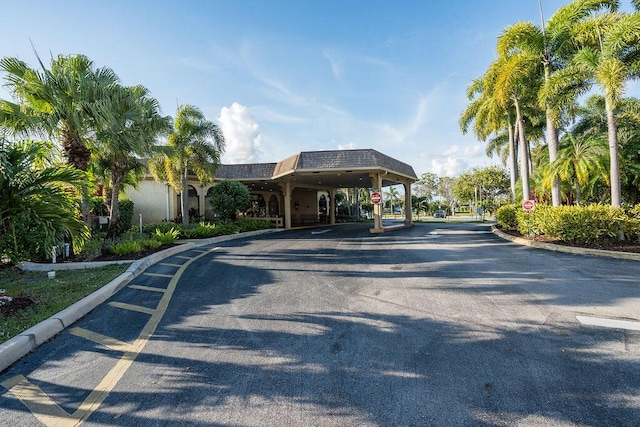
(12, 350)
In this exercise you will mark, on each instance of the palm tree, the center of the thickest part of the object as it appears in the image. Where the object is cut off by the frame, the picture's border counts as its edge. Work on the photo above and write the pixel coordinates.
(129, 123)
(553, 45)
(393, 196)
(581, 160)
(42, 192)
(609, 48)
(195, 144)
(515, 76)
(490, 118)
(52, 103)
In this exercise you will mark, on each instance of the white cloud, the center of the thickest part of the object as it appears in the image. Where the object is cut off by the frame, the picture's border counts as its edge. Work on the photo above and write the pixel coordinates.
(242, 135)
(336, 67)
(450, 167)
(348, 146)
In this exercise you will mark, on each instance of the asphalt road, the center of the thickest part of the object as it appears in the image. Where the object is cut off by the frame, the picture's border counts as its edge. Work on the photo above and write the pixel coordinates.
(441, 324)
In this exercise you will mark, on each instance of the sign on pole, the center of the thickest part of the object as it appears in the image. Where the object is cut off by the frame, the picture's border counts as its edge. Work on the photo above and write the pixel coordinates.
(529, 205)
(376, 198)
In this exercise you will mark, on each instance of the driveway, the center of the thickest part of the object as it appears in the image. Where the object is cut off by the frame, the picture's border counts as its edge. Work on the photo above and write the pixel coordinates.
(440, 324)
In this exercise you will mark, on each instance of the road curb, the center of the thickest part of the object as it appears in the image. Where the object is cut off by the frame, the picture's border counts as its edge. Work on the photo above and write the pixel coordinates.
(566, 249)
(17, 347)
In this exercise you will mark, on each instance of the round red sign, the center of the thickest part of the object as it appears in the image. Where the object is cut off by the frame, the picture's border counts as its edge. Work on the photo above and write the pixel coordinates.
(528, 205)
(376, 198)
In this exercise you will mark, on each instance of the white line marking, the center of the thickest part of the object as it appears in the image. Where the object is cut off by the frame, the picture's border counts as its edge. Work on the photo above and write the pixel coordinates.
(320, 232)
(609, 323)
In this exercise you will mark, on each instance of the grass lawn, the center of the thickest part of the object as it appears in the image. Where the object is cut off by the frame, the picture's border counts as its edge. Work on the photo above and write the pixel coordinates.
(36, 297)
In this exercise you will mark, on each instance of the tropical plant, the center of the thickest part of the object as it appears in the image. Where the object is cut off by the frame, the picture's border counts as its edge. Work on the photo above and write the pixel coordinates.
(40, 191)
(195, 145)
(609, 47)
(129, 123)
(52, 103)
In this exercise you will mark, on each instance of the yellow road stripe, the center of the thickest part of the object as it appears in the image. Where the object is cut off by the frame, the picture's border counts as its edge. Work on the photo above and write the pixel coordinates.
(109, 342)
(168, 276)
(147, 288)
(50, 413)
(168, 264)
(45, 409)
(132, 307)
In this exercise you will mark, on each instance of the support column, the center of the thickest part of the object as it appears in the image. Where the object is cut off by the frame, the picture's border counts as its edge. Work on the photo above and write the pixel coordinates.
(201, 206)
(332, 206)
(408, 209)
(376, 183)
(286, 190)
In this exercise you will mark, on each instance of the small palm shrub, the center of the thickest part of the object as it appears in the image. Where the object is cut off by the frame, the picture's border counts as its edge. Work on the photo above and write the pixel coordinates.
(126, 248)
(199, 231)
(165, 237)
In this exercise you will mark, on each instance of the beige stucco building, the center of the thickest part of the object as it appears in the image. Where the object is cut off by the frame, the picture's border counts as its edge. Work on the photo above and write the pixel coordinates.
(299, 190)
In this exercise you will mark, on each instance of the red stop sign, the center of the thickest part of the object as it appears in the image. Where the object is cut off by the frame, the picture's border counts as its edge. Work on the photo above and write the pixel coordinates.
(529, 205)
(376, 198)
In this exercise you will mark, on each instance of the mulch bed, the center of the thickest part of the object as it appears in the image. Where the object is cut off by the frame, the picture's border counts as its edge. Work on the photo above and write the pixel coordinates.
(17, 304)
(620, 246)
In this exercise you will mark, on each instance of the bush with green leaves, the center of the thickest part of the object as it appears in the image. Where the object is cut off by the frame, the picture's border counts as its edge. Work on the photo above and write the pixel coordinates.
(126, 214)
(246, 225)
(229, 197)
(201, 230)
(126, 248)
(506, 216)
(163, 227)
(166, 237)
(574, 224)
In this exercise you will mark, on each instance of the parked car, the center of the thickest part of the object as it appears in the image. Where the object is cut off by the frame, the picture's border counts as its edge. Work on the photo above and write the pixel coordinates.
(439, 214)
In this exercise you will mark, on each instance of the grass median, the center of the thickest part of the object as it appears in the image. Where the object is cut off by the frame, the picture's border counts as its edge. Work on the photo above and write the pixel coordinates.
(30, 297)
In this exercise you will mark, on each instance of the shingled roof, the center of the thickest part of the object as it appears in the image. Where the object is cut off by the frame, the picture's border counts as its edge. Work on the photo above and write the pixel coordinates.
(337, 168)
(252, 171)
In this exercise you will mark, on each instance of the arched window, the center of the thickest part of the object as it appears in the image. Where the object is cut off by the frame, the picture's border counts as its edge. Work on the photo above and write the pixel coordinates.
(274, 206)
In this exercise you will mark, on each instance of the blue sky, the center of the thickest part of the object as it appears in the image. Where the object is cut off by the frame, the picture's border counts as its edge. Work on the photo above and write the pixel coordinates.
(282, 77)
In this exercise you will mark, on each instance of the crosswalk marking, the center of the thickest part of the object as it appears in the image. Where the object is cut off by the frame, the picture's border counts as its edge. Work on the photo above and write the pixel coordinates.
(51, 414)
(109, 342)
(45, 409)
(132, 307)
(168, 264)
(147, 288)
(168, 276)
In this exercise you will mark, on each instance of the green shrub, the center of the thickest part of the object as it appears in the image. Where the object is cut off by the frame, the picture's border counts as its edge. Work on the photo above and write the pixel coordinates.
(150, 244)
(199, 231)
(92, 247)
(164, 227)
(166, 237)
(126, 214)
(576, 224)
(506, 217)
(126, 248)
(245, 225)
(26, 244)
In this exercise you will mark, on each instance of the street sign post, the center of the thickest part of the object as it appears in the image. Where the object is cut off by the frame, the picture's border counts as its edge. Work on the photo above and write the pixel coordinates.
(376, 198)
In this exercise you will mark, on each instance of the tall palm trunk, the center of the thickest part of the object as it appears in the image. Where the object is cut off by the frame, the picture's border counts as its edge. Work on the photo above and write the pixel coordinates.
(78, 156)
(114, 222)
(614, 163)
(513, 162)
(552, 143)
(184, 197)
(524, 153)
